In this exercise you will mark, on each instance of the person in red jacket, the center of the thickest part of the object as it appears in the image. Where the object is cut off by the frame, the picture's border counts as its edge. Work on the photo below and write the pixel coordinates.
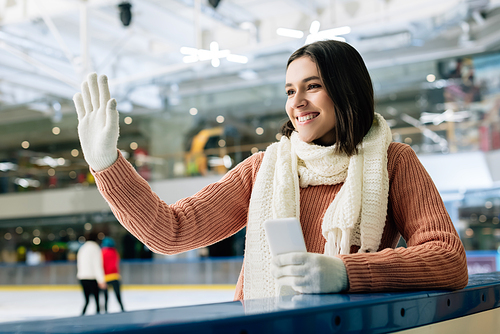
(111, 261)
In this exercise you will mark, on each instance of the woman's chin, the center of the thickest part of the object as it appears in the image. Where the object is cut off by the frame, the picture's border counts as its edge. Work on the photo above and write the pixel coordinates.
(312, 138)
(306, 138)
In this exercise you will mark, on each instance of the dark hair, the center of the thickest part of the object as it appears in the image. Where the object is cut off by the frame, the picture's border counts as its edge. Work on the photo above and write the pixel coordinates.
(348, 84)
(91, 236)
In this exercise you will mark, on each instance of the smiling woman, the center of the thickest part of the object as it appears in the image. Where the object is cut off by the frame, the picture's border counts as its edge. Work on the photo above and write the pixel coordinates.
(336, 81)
(309, 107)
(334, 169)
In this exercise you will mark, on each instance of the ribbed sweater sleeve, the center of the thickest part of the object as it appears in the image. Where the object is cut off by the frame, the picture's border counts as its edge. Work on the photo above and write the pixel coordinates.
(435, 257)
(216, 212)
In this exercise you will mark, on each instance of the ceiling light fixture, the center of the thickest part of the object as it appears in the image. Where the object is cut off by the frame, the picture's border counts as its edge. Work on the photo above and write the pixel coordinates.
(193, 55)
(26, 182)
(6, 166)
(290, 33)
(125, 13)
(214, 3)
(447, 116)
(315, 34)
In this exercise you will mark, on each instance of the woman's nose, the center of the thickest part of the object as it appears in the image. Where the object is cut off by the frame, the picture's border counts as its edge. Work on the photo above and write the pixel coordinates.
(299, 101)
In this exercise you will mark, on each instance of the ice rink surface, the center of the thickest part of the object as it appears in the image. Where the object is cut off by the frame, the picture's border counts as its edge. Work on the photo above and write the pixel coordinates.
(49, 302)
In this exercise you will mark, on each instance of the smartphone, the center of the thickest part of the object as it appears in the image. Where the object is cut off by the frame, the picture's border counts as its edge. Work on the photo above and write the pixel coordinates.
(284, 236)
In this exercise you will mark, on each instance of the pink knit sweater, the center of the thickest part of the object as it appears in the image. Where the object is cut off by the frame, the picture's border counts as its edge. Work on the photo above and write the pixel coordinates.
(434, 259)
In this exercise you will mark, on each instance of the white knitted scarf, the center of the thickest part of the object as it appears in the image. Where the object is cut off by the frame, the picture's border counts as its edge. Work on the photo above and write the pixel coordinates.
(355, 217)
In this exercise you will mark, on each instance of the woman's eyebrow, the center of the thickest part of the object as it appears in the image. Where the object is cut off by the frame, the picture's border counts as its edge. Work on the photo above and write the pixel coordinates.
(314, 77)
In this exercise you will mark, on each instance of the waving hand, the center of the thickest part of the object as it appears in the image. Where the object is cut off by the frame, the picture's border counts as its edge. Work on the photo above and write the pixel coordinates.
(97, 122)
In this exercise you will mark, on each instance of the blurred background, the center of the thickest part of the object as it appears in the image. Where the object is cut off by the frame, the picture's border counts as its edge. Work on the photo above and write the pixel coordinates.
(200, 87)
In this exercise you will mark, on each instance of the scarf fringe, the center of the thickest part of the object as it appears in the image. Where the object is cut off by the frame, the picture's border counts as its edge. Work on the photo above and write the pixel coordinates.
(338, 242)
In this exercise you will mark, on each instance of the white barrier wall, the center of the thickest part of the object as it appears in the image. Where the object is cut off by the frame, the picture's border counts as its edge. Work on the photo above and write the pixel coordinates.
(56, 202)
(462, 171)
(204, 271)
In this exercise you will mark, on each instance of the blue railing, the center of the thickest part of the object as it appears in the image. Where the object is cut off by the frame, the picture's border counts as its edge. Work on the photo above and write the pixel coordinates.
(329, 313)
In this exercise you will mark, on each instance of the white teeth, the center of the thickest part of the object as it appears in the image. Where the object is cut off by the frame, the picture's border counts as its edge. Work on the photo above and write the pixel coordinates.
(307, 117)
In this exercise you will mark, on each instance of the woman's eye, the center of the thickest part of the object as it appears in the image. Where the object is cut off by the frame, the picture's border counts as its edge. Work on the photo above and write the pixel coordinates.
(290, 92)
(312, 86)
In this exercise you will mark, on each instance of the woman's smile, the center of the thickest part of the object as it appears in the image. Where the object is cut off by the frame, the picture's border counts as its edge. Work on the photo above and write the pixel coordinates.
(304, 118)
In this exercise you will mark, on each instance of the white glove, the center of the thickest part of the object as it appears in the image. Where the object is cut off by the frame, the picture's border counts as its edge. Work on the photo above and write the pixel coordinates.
(97, 123)
(310, 272)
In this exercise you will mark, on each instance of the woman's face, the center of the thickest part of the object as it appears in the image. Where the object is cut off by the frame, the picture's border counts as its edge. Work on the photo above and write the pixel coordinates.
(309, 107)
